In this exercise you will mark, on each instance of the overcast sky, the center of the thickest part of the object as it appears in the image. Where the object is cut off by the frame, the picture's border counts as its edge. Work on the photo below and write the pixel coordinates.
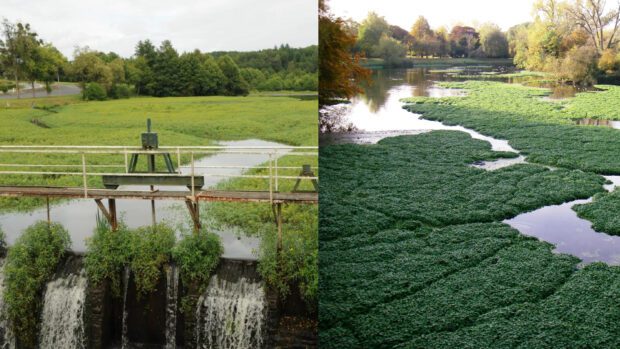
(209, 25)
(504, 13)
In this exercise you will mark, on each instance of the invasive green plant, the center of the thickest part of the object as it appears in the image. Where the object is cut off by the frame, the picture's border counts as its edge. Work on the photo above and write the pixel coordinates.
(602, 212)
(197, 255)
(107, 254)
(298, 265)
(29, 265)
(150, 249)
(413, 254)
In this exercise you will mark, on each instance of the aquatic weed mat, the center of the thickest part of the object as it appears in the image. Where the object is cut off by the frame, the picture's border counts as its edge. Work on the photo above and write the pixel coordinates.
(543, 131)
(412, 253)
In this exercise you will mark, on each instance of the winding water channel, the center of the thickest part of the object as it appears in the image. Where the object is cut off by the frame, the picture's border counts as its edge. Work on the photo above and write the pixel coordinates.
(378, 113)
(79, 216)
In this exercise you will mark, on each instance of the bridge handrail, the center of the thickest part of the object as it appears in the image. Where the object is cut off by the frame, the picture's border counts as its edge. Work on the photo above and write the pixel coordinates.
(273, 153)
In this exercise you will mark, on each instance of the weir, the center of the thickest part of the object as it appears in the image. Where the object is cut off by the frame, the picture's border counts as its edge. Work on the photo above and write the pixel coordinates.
(235, 310)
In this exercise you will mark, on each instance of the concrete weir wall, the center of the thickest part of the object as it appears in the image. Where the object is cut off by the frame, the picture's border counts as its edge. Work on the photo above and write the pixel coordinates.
(235, 310)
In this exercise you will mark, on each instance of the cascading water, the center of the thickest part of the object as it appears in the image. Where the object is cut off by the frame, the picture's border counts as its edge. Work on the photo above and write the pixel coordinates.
(62, 317)
(172, 293)
(231, 312)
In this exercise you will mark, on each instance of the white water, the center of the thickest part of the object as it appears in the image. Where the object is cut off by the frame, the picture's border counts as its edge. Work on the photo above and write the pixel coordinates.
(172, 294)
(62, 322)
(231, 314)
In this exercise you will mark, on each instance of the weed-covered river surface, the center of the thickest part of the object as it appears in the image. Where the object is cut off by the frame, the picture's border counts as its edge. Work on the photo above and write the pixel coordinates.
(79, 216)
(431, 238)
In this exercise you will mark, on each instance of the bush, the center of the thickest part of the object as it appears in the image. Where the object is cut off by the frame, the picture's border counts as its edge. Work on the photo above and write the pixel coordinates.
(120, 91)
(30, 264)
(150, 249)
(197, 255)
(108, 254)
(94, 92)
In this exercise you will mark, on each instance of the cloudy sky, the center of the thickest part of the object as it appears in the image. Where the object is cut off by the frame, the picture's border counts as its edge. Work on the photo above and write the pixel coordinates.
(209, 25)
(505, 13)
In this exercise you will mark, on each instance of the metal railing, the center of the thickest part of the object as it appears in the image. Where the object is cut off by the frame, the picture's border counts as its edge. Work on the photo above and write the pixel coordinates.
(186, 157)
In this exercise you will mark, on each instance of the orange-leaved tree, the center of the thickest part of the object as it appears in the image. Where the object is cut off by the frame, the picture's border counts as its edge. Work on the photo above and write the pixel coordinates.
(339, 70)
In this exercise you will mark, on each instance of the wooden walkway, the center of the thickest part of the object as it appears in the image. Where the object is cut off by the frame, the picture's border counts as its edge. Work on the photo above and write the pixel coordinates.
(201, 195)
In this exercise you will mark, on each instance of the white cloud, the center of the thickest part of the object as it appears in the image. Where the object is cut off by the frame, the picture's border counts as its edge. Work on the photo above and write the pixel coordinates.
(207, 25)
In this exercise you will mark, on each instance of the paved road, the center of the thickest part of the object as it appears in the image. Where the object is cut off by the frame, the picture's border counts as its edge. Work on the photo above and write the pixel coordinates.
(57, 90)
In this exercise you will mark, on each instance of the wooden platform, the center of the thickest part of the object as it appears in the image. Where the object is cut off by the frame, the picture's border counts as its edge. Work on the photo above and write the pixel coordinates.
(201, 195)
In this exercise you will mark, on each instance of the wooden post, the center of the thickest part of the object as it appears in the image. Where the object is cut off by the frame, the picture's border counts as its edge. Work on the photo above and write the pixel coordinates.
(112, 210)
(194, 212)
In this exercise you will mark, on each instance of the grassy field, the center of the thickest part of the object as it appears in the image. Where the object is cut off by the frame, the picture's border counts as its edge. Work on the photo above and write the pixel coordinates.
(542, 130)
(178, 121)
(413, 254)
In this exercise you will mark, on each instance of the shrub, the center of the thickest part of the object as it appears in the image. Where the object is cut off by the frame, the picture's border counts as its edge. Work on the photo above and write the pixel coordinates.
(30, 264)
(150, 250)
(94, 92)
(120, 91)
(108, 254)
(197, 255)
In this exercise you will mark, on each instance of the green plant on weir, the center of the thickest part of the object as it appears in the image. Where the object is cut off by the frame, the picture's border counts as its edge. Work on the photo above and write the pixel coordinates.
(108, 254)
(197, 255)
(30, 263)
(150, 250)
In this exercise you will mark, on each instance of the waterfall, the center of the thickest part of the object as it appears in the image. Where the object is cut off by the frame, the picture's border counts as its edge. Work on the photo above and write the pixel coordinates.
(125, 338)
(231, 312)
(172, 292)
(62, 317)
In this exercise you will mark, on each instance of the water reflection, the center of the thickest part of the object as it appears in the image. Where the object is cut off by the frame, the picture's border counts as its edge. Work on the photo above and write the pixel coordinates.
(79, 216)
(560, 225)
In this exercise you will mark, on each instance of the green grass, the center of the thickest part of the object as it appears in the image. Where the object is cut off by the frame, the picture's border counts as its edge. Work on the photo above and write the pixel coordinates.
(413, 254)
(545, 132)
(178, 121)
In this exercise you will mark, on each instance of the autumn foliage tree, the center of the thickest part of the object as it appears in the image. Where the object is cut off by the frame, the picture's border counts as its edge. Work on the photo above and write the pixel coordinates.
(339, 71)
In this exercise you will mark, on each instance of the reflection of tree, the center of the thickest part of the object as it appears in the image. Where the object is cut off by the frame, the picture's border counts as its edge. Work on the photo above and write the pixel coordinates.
(333, 119)
(420, 79)
(376, 94)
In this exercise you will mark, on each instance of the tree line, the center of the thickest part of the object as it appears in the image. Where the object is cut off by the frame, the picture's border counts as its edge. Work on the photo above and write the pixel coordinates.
(574, 41)
(153, 70)
(376, 38)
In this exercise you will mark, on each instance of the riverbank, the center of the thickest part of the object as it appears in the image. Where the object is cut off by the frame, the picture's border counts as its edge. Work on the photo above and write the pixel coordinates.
(412, 62)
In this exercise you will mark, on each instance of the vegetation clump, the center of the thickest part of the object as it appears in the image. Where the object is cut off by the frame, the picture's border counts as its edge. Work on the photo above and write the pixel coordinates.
(298, 265)
(197, 255)
(545, 132)
(602, 212)
(30, 263)
(108, 255)
(408, 230)
(150, 249)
